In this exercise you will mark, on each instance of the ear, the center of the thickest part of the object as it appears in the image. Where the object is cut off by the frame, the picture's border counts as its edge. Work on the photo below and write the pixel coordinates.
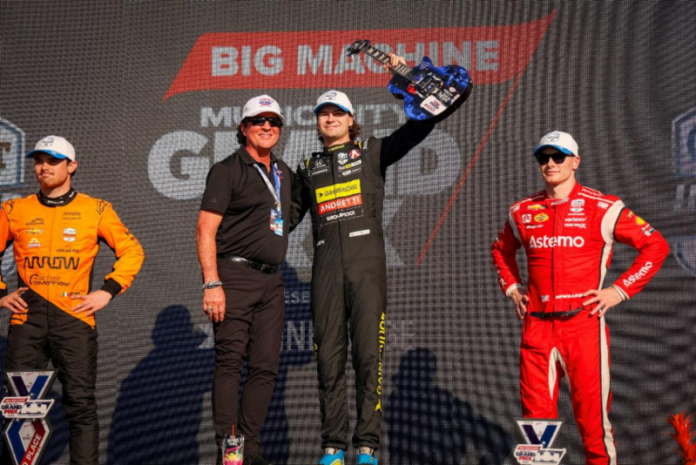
(72, 167)
(576, 162)
(242, 127)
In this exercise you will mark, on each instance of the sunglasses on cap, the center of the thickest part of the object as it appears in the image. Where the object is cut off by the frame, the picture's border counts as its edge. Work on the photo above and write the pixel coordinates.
(261, 120)
(558, 157)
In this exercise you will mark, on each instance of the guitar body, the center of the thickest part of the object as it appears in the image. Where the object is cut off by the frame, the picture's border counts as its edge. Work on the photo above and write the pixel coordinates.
(431, 91)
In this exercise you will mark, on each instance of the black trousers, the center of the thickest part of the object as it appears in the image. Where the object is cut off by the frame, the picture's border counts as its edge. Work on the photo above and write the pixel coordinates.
(71, 345)
(252, 329)
(350, 303)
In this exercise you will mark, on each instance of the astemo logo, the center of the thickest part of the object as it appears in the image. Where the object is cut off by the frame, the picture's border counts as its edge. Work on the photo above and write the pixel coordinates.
(546, 242)
(641, 274)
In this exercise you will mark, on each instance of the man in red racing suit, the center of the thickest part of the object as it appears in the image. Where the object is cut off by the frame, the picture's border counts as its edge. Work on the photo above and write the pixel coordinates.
(568, 232)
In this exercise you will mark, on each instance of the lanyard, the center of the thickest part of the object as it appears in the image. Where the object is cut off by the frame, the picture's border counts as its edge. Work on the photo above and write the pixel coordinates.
(275, 190)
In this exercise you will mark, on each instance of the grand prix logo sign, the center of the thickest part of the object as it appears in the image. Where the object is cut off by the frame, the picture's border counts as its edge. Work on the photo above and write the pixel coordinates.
(540, 436)
(179, 161)
(28, 434)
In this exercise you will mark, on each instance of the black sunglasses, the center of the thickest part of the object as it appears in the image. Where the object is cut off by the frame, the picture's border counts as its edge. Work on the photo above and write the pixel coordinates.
(261, 120)
(558, 157)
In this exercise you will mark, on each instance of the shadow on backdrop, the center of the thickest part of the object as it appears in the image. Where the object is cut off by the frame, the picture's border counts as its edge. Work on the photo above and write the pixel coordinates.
(427, 424)
(160, 403)
(297, 350)
(59, 437)
(159, 408)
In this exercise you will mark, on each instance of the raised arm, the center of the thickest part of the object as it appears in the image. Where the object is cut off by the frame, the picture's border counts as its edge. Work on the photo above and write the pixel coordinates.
(396, 145)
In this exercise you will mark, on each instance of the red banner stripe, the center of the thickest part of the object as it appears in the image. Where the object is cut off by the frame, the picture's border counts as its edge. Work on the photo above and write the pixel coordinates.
(316, 59)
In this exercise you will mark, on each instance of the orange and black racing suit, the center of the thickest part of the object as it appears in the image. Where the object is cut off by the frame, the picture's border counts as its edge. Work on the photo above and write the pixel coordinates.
(55, 243)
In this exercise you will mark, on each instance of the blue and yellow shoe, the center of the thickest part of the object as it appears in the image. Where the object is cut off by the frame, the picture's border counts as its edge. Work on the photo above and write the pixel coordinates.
(334, 459)
(367, 459)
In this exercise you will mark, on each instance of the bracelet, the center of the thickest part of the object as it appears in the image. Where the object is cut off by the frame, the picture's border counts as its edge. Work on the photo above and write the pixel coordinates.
(211, 285)
(621, 292)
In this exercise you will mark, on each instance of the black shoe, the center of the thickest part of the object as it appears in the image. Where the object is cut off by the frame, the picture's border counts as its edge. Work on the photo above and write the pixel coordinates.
(256, 460)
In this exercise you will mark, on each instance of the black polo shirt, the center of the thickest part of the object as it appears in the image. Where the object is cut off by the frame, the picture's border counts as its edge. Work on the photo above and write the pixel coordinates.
(235, 189)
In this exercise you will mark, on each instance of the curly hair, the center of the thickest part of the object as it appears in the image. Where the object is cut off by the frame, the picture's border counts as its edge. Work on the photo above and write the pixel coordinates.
(241, 138)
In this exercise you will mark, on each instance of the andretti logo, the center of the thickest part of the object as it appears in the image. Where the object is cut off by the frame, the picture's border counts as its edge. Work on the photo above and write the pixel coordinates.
(546, 242)
(340, 204)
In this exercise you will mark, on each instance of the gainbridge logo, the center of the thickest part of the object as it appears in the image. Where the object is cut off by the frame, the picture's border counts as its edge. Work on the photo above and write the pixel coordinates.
(264, 62)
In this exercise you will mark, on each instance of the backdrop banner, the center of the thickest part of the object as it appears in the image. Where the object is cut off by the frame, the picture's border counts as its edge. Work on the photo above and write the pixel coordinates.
(150, 94)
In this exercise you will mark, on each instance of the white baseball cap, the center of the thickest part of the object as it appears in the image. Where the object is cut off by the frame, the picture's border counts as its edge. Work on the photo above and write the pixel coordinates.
(55, 146)
(334, 97)
(261, 104)
(559, 140)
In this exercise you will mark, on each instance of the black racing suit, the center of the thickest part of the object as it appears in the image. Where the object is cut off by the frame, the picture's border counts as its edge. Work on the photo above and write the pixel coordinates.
(343, 187)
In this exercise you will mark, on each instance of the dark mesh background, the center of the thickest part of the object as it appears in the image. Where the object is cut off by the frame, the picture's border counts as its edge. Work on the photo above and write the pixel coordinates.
(615, 74)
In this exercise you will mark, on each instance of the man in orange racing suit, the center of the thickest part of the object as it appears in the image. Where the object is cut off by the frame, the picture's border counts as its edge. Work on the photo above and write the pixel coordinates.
(56, 235)
(568, 233)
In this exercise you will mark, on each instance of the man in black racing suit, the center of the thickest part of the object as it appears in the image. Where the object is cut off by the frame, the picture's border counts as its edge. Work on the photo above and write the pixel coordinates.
(343, 187)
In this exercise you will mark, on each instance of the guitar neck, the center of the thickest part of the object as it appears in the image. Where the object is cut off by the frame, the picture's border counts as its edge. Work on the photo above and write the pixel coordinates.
(383, 58)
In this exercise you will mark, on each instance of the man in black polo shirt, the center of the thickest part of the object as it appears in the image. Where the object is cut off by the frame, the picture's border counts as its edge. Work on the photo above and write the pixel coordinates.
(242, 238)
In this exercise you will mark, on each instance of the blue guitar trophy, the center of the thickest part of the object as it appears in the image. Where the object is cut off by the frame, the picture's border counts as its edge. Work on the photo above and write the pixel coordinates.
(428, 91)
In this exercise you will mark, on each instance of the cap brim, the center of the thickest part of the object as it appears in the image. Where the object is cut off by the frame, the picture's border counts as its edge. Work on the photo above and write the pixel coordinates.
(318, 107)
(50, 152)
(557, 147)
(251, 115)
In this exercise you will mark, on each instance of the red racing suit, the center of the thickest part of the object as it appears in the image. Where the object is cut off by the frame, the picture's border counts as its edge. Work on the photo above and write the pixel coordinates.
(569, 245)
